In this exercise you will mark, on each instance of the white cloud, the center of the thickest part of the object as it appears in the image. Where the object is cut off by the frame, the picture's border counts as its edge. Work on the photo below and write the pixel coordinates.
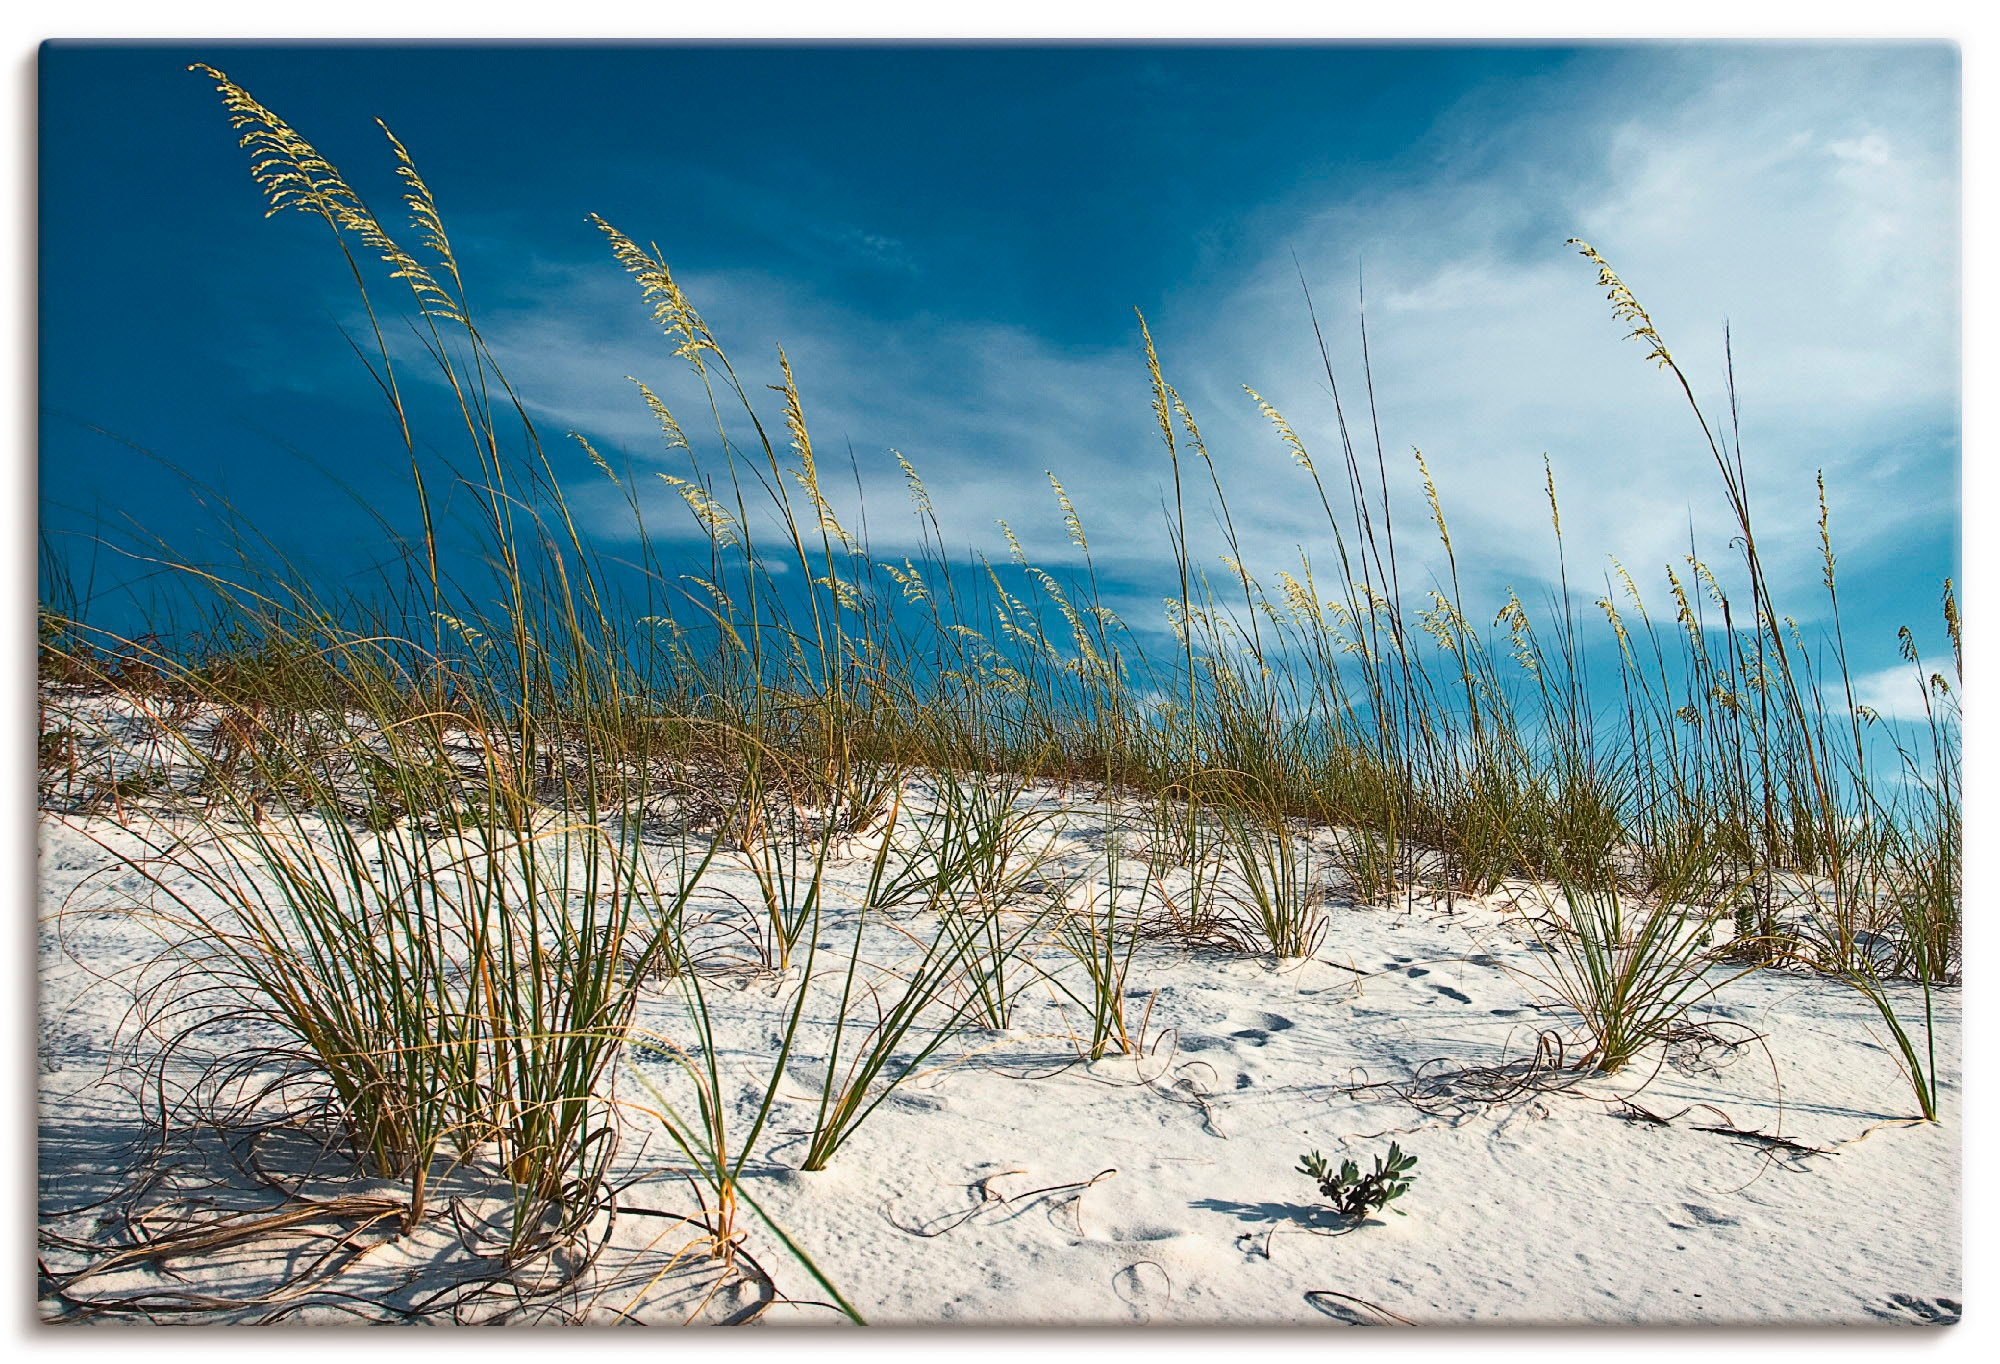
(1812, 205)
(1892, 693)
(1808, 198)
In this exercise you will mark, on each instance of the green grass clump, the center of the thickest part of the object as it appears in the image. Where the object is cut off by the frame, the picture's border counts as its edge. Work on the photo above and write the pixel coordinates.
(1631, 966)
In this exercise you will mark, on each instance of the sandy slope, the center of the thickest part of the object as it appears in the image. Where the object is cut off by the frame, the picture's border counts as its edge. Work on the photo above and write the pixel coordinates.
(1010, 1181)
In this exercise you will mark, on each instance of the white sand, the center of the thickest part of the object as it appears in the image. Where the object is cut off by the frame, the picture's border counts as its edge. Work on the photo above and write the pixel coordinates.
(1012, 1182)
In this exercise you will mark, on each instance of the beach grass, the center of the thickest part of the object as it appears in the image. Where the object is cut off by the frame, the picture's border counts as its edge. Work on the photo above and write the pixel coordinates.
(417, 819)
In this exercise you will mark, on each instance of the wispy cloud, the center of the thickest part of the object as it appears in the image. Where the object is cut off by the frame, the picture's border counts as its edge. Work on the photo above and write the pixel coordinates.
(1811, 205)
(1808, 199)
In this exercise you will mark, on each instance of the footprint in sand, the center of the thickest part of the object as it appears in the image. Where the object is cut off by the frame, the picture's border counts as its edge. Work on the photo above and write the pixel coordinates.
(1911, 1311)
(1262, 1026)
(1450, 993)
(1700, 1216)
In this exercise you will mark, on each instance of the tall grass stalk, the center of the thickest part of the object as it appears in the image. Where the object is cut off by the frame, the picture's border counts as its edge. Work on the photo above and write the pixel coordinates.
(918, 1004)
(1101, 935)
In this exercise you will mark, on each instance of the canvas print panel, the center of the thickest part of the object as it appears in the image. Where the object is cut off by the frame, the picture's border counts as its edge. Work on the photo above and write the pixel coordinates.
(1141, 684)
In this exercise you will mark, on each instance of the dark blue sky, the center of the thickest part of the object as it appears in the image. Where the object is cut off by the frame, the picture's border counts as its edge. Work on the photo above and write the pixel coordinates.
(1050, 190)
(950, 243)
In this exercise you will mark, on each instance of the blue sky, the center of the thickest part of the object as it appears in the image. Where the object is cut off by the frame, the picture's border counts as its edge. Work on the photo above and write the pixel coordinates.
(949, 243)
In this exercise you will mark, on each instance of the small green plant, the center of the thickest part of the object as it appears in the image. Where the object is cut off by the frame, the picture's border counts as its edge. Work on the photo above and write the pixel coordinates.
(1354, 1194)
